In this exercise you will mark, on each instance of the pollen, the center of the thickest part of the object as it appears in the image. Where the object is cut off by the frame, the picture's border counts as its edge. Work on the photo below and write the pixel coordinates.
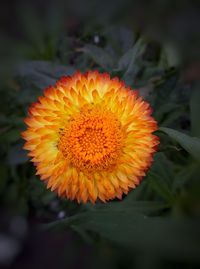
(92, 140)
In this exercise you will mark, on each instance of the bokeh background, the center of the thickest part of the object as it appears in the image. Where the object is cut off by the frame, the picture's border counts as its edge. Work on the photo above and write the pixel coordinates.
(151, 45)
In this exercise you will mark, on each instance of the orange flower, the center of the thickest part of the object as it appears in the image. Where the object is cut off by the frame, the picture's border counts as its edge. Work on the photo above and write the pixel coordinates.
(90, 137)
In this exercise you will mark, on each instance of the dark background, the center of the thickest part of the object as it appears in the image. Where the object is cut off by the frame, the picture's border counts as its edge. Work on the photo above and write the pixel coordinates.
(154, 47)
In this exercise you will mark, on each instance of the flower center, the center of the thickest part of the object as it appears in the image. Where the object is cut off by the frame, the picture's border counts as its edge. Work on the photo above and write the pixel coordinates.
(92, 140)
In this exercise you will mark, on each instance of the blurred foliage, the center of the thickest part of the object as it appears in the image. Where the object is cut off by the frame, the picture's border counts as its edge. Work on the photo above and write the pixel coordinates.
(157, 224)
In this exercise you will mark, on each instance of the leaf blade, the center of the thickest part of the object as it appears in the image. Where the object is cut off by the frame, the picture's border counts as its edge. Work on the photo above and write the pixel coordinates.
(190, 144)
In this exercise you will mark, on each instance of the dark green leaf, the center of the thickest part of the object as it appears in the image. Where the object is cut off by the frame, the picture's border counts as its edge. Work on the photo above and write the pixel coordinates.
(164, 91)
(12, 135)
(185, 175)
(121, 38)
(195, 111)
(127, 62)
(99, 56)
(42, 73)
(17, 155)
(190, 144)
(167, 113)
(142, 207)
(32, 27)
(139, 193)
(160, 177)
(3, 177)
(166, 237)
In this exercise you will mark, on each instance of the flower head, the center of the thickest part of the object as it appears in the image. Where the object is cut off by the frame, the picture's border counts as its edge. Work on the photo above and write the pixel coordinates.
(90, 137)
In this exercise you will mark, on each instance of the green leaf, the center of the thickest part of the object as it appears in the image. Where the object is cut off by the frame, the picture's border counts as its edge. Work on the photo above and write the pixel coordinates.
(139, 193)
(120, 38)
(185, 175)
(169, 57)
(195, 112)
(127, 62)
(3, 177)
(165, 90)
(38, 193)
(172, 116)
(160, 177)
(99, 56)
(167, 113)
(42, 73)
(32, 26)
(168, 237)
(190, 144)
(143, 207)
(163, 167)
(16, 155)
(12, 135)
(43, 33)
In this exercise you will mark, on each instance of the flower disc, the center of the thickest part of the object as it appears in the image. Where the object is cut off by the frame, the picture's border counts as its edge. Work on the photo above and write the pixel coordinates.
(90, 137)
